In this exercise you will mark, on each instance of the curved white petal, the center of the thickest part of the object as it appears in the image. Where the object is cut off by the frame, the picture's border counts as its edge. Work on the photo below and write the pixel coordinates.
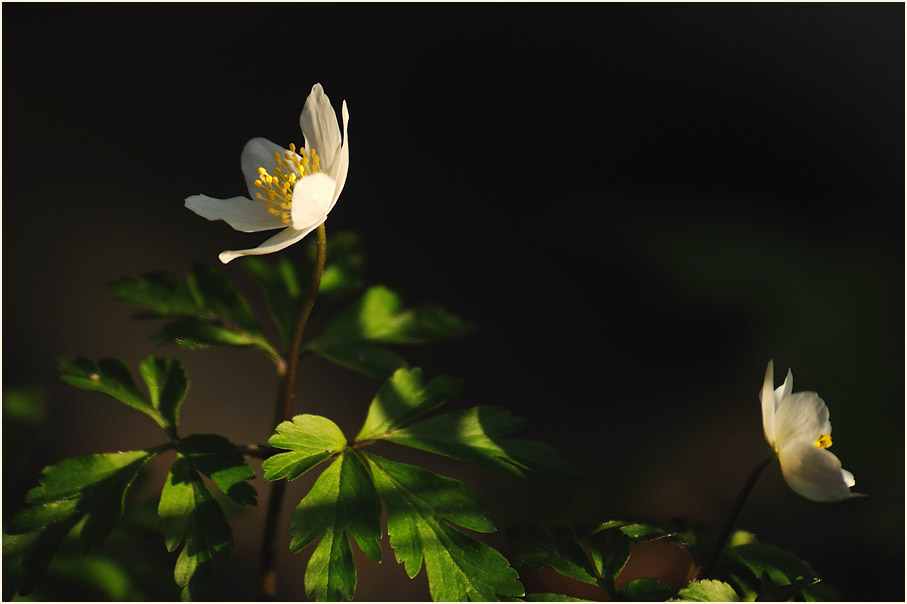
(313, 197)
(259, 153)
(800, 416)
(241, 213)
(318, 123)
(285, 238)
(342, 164)
(784, 389)
(814, 473)
(768, 404)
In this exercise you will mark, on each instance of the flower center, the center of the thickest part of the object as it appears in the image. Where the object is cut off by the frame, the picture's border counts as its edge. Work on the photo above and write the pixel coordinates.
(277, 188)
(824, 441)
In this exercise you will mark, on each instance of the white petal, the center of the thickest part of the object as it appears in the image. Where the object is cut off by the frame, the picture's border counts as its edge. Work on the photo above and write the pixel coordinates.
(342, 164)
(313, 196)
(784, 389)
(241, 213)
(318, 123)
(768, 404)
(259, 153)
(285, 238)
(814, 473)
(800, 416)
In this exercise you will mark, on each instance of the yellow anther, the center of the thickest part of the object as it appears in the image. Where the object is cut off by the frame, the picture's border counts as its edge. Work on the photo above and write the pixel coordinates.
(262, 171)
(824, 441)
(292, 147)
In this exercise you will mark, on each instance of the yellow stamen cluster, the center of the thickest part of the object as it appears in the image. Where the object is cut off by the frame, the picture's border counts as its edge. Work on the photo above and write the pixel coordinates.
(824, 441)
(277, 188)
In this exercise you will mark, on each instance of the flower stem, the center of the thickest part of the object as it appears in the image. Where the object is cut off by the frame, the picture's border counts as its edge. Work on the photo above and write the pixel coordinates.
(283, 412)
(732, 518)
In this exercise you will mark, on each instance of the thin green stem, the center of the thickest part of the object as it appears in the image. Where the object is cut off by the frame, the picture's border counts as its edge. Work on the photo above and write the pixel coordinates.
(283, 412)
(732, 518)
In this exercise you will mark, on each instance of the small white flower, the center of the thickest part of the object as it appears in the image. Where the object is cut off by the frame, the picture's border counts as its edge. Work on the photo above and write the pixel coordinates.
(290, 189)
(797, 428)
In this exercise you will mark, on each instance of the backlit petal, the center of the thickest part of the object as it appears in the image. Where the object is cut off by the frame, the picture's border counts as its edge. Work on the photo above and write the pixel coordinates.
(342, 163)
(285, 238)
(800, 416)
(814, 473)
(258, 153)
(318, 123)
(784, 389)
(313, 197)
(768, 404)
(241, 213)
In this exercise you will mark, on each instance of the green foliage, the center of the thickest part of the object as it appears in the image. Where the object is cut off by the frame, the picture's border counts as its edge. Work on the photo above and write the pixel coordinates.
(644, 590)
(353, 336)
(24, 410)
(218, 459)
(422, 508)
(707, 590)
(782, 568)
(478, 436)
(165, 378)
(206, 311)
(90, 487)
(343, 503)
(285, 282)
(310, 440)
(402, 398)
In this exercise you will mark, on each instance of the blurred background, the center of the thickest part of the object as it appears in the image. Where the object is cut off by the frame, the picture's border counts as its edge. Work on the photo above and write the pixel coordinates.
(639, 205)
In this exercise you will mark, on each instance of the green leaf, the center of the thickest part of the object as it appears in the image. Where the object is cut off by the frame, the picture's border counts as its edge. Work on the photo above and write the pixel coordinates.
(189, 514)
(770, 592)
(707, 590)
(220, 460)
(286, 283)
(547, 597)
(419, 507)
(364, 357)
(167, 384)
(403, 398)
(343, 502)
(109, 376)
(310, 438)
(90, 487)
(783, 568)
(208, 310)
(644, 590)
(610, 550)
(165, 295)
(379, 317)
(476, 436)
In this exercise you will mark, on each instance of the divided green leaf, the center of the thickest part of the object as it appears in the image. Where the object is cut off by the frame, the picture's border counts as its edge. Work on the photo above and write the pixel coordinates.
(342, 504)
(644, 590)
(286, 282)
(422, 509)
(189, 515)
(707, 590)
(477, 436)
(783, 568)
(310, 439)
(165, 378)
(220, 460)
(90, 487)
(402, 398)
(207, 311)
(378, 317)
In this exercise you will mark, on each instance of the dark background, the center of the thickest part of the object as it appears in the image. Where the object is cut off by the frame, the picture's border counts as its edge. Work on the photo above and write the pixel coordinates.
(639, 204)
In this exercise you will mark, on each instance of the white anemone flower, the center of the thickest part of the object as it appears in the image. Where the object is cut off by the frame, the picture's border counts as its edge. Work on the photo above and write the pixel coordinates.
(290, 189)
(797, 428)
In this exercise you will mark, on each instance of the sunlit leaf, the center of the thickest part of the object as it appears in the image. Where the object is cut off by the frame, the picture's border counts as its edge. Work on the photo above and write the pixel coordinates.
(342, 504)
(421, 509)
(379, 317)
(108, 376)
(783, 568)
(167, 386)
(644, 590)
(189, 515)
(90, 487)
(478, 436)
(707, 590)
(310, 439)
(402, 398)
(218, 459)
